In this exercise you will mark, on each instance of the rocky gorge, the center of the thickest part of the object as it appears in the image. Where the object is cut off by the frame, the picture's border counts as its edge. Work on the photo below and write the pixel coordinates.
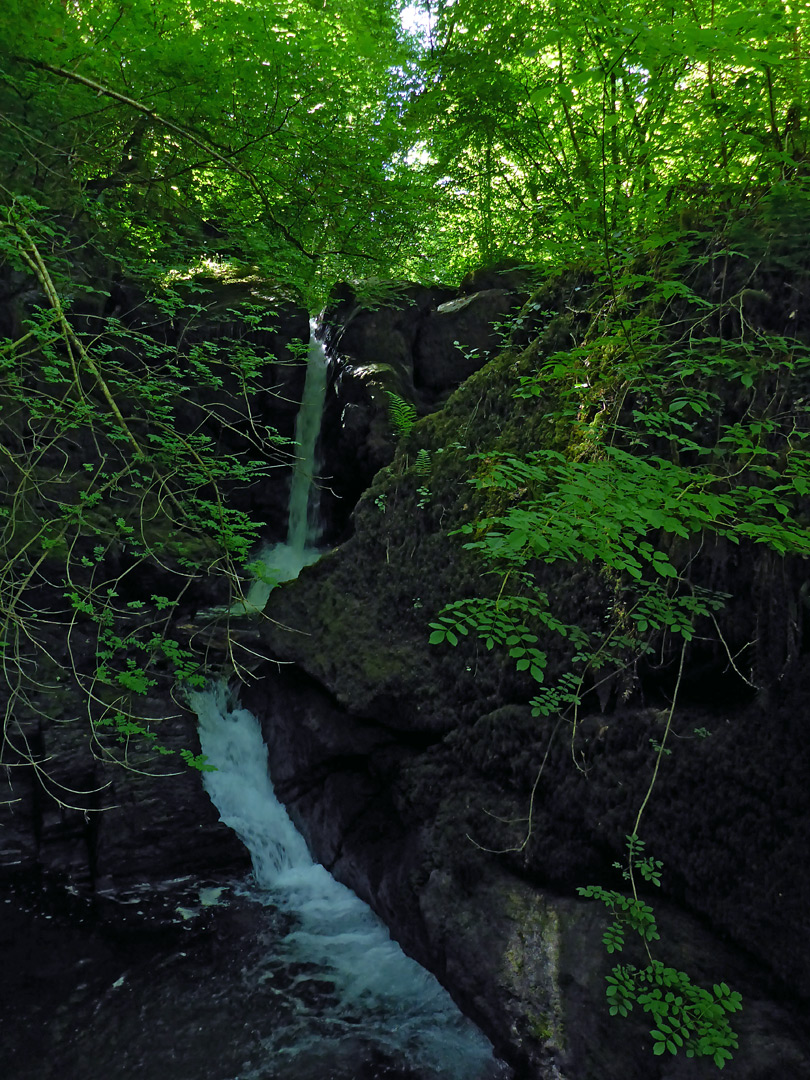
(417, 773)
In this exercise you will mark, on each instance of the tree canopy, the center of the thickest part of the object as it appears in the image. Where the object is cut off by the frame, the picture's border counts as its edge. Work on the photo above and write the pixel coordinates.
(561, 124)
(260, 133)
(318, 140)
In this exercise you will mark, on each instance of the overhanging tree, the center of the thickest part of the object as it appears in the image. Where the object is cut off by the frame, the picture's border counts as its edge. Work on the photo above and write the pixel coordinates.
(266, 133)
(558, 125)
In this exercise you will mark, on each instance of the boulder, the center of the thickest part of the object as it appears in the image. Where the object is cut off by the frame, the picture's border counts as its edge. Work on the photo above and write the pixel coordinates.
(459, 338)
(93, 820)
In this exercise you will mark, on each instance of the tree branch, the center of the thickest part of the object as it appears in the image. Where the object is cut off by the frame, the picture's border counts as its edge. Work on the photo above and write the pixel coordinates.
(184, 133)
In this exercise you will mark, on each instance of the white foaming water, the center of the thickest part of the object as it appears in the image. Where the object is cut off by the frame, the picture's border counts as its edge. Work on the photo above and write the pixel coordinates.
(279, 562)
(376, 998)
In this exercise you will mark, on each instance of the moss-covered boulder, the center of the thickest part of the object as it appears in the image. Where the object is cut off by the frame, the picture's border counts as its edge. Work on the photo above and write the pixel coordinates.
(425, 779)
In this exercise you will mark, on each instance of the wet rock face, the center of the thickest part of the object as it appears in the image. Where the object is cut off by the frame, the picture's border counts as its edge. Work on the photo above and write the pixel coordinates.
(407, 799)
(222, 319)
(382, 330)
(420, 343)
(91, 825)
(410, 769)
(403, 824)
(523, 279)
(460, 336)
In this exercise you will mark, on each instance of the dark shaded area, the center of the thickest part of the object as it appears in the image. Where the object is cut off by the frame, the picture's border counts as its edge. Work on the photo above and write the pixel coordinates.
(416, 342)
(486, 829)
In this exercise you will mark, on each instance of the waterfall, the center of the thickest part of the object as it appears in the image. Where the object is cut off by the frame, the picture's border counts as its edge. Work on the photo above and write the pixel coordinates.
(303, 527)
(283, 562)
(356, 1001)
(372, 1002)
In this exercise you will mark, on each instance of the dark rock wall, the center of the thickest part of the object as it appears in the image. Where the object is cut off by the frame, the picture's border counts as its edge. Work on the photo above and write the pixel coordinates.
(225, 317)
(420, 344)
(92, 826)
(412, 769)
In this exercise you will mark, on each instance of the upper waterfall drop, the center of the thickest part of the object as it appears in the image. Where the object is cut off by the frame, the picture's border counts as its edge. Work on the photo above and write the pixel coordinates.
(303, 528)
(283, 562)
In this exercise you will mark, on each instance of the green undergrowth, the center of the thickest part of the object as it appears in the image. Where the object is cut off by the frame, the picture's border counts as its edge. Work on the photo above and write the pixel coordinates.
(671, 412)
(114, 452)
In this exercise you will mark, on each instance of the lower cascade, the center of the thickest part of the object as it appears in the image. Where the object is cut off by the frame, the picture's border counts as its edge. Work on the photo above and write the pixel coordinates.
(361, 1007)
(354, 1005)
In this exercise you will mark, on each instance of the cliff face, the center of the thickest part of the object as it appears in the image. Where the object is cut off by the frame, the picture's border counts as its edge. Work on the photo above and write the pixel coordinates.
(415, 342)
(421, 778)
(418, 773)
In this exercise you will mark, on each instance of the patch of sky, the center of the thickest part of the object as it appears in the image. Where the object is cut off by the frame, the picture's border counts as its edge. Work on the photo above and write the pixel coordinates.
(416, 21)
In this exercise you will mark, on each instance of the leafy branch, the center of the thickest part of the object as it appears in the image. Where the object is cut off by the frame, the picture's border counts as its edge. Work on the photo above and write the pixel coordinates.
(188, 136)
(106, 485)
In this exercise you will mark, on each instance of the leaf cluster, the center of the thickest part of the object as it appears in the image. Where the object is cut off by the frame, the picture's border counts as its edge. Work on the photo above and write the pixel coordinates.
(557, 130)
(118, 459)
(686, 1017)
(402, 414)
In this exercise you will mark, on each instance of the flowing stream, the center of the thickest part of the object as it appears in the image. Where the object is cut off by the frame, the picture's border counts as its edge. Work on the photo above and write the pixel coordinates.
(303, 528)
(361, 1007)
(365, 1005)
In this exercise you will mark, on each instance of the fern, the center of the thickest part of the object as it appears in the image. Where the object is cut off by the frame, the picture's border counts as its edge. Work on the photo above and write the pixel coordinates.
(402, 414)
(422, 462)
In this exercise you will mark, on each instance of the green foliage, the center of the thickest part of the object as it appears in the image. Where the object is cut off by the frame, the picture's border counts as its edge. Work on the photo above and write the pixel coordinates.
(685, 1016)
(194, 133)
(373, 293)
(402, 414)
(626, 508)
(422, 462)
(555, 129)
(422, 466)
(110, 478)
(187, 135)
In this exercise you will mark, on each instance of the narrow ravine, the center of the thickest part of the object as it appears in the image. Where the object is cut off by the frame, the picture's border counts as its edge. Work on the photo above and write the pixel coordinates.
(358, 999)
(365, 1004)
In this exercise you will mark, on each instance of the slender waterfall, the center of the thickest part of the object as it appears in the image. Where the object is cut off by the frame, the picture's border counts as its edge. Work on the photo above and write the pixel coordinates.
(283, 562)
(303, 527)
(357, 1005)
